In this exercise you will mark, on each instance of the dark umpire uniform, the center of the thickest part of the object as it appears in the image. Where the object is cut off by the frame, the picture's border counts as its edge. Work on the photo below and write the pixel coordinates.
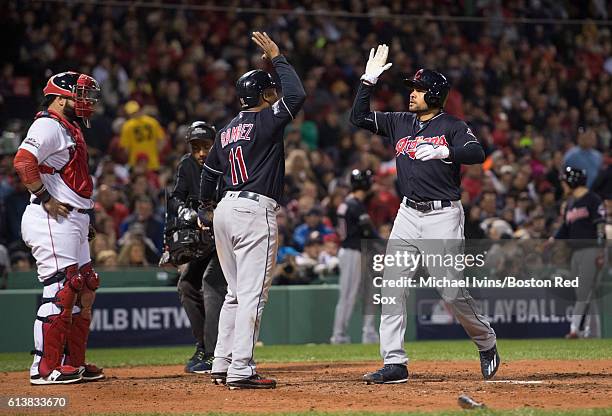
(430, 218)
(201, 285)
(583, 226)
(354, 224)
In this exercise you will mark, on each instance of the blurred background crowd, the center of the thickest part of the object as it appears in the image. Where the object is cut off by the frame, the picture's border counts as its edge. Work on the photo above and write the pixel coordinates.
(538, 96)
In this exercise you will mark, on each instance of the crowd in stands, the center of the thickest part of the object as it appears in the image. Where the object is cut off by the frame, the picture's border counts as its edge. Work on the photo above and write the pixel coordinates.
(538, 96)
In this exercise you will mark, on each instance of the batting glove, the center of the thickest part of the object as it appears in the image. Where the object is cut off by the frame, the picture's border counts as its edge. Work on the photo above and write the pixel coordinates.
(377, 64)
(427, 151)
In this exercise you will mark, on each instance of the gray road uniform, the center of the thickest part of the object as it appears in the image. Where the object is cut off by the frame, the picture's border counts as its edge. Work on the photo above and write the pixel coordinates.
(354, 224)
(583, 221)
(250, 155)
(430, 209)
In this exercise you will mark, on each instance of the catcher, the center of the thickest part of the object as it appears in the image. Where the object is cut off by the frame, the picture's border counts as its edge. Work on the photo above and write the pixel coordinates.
(52, 162)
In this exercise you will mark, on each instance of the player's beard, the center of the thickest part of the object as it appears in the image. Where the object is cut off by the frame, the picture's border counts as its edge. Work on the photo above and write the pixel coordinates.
(69, 113)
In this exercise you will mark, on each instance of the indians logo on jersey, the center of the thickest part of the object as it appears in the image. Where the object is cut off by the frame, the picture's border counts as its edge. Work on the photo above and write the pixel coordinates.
(407, 145)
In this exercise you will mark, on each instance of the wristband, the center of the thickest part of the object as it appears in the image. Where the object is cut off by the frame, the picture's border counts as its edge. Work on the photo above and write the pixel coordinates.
(369, 79)
(42, 194)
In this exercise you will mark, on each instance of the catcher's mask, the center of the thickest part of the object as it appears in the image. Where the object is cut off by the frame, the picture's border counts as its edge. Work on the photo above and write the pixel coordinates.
(83, 89)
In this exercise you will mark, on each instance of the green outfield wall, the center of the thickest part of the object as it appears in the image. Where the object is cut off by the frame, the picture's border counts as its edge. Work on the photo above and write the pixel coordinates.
(128, 315)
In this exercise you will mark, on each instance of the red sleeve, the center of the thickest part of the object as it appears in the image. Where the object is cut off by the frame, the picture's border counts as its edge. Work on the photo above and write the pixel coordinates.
(26, 166)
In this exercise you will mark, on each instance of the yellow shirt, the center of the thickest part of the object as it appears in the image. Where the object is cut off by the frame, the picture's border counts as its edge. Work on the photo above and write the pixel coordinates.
(142, 134)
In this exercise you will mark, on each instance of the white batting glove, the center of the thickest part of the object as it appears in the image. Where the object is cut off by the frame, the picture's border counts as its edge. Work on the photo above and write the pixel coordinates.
(377, 64)
(427, 151)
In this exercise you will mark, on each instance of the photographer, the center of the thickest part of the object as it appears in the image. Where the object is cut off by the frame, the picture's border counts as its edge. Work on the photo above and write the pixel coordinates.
(201, 285)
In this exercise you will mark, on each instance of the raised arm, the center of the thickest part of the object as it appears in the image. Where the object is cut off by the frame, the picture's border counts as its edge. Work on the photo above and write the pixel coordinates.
(361, 116)
(293, 90)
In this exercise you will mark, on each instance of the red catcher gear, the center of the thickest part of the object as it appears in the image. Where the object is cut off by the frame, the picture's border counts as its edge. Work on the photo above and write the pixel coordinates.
(75, 173)
(26, 166)
(55, 328)
(83, 89)
(79, 332)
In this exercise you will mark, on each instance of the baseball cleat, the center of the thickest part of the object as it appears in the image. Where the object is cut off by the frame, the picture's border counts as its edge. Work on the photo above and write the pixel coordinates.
(389, 374)
(91, 372)
(203, 367)
(197, 357)
(200, 363)
(489, 362)
(218, 378)
(254, 382)
(63, 375)
(340, 339)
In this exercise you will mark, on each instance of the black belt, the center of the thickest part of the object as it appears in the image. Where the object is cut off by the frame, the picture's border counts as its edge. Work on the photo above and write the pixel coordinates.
(247, 195)
(58, 277)
(425, 206)
(79, 210)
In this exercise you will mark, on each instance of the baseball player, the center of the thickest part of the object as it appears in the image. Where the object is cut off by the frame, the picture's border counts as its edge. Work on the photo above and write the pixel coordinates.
(249, 153)
(430, 147)
(201, 285)
(52, 163)
(354, 224)
(583, 224)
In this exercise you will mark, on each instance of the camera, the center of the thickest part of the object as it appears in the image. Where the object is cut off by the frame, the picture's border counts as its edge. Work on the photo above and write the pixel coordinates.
(185, 240)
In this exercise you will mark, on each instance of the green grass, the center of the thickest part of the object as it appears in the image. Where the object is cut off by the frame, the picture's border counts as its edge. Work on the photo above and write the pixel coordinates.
(516, 412)
(510, 350)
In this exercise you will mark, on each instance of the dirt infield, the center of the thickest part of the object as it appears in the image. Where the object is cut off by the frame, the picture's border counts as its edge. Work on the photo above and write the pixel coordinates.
(334, 387)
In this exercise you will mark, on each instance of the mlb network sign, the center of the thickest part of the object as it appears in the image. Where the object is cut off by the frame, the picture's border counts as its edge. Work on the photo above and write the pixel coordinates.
(139, 319)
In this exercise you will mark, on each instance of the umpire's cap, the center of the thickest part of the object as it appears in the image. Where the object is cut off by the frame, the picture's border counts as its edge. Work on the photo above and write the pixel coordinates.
(574, 177)
(361, 179)
(251, 85)
(434, 83)
(200, 130)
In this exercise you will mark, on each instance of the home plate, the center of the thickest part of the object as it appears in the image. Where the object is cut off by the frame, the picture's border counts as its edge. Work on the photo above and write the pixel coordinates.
(516, 381)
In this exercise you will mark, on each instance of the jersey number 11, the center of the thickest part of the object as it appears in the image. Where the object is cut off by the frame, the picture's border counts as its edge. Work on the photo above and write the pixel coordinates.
(235, 156)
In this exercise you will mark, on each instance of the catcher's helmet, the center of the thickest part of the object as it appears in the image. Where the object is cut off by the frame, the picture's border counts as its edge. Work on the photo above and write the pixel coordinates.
(434, 83)
(361, 179)
(574, 177)
(83, 89)
(251, 85)
(200, 130)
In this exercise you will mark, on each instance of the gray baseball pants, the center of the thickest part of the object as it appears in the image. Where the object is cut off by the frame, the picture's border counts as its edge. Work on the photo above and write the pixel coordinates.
(246, 237)
(585, 318)
(437, 231)
(353, 286)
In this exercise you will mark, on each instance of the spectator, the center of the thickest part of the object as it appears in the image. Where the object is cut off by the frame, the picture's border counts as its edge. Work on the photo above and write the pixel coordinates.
(14, 206)
(21, 261)
(328, 263)
(143, 214)
(313, 221)
(133, 254)
(584, 156)
(141, 134)
(107, 259)
(384, 203)
(106, 201)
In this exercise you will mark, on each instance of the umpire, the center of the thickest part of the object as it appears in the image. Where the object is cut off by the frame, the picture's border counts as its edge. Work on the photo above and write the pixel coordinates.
(201, 285)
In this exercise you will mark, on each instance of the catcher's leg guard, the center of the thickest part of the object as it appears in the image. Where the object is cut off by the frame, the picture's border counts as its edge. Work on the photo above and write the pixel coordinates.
(54, 319)
(76, 344)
